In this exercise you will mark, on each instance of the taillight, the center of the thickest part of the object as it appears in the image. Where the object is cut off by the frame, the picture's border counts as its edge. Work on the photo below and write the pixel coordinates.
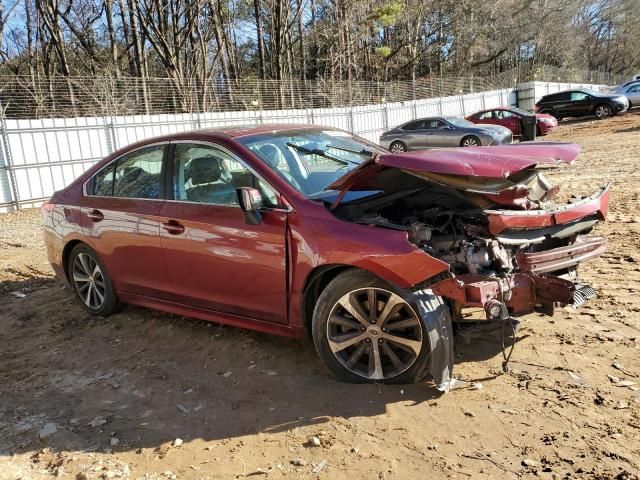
(47, 207)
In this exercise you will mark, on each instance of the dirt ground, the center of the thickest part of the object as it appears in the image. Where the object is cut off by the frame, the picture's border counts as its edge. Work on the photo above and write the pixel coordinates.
(111, 397)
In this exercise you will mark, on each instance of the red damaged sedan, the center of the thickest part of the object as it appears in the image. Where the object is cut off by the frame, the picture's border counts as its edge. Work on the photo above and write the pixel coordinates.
(310, 231)
(511, 117)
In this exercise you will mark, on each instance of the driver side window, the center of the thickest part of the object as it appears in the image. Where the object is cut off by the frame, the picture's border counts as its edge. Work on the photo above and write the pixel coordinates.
(206, 174)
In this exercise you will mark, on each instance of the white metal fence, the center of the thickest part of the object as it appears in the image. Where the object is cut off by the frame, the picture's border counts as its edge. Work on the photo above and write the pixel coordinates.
(40, 156)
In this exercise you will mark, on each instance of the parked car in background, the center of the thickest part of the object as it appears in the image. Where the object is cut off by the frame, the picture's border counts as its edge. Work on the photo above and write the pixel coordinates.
(302, 230)
(437, 132)
(580, 103)
(631, 90)
(511, 118)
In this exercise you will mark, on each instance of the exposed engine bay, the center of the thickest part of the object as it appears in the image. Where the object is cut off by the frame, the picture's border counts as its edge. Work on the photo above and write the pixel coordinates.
(450, 225)
(498, 236)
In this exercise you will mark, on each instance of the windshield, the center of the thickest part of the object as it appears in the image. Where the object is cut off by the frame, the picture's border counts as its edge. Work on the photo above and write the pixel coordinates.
(459, 122)
(310, 159)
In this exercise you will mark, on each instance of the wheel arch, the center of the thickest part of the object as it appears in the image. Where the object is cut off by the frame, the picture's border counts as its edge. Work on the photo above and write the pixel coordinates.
(470, 135)
(316, 282)
(66, 251)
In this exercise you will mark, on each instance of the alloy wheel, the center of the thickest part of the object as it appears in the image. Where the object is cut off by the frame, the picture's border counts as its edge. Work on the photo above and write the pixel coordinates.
(398, 147)
(470, 142)
(374, 333)
(88, 281)
(602, 111)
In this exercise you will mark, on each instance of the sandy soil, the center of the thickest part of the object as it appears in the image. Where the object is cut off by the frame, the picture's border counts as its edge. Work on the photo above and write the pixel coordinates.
(119, 391)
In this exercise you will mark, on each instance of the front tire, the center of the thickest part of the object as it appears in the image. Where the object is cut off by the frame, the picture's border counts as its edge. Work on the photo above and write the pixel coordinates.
(397, 147)
(91, 282)
(470, 141)
(385, 344)
(603, 111)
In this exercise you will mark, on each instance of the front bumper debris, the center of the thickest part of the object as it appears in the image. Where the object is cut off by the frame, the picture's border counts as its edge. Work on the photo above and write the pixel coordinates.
(503, 220)
(533, 287)
(584, 248)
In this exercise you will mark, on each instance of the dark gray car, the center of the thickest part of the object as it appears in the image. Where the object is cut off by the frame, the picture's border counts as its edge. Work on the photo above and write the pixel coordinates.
(437, 132)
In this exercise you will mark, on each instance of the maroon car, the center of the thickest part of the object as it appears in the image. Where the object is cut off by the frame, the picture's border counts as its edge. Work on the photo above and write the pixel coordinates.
(511, 117)
(303, 230)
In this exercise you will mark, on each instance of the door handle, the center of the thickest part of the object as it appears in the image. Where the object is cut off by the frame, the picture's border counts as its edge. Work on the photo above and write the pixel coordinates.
(173, 227)
(95, 215)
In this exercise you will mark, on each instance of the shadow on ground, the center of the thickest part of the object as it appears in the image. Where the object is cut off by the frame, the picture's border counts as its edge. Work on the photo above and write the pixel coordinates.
(151, 377)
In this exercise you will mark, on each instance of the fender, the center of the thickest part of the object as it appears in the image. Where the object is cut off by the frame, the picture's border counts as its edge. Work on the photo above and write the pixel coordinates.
(385, 253)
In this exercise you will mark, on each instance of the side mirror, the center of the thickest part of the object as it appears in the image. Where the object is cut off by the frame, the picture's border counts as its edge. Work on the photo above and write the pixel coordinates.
(250, 202)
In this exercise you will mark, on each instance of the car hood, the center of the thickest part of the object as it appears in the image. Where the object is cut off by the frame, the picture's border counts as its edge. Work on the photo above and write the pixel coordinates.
(497, 162)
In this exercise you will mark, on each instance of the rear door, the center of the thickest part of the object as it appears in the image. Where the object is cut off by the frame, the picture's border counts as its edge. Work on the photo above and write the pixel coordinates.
(214, 259)
(488, 117)
(415, 135)
(120, 219)
(558, 104)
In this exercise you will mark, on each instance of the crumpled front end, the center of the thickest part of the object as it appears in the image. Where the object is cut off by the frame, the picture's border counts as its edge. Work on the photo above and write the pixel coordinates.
(492, 216)
(529, 260)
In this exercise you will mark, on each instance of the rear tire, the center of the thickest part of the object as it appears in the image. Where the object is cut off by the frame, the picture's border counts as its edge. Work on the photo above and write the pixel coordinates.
(397, 147)
(388, 345)
(91, 282)
(470, 141)
(603, 111)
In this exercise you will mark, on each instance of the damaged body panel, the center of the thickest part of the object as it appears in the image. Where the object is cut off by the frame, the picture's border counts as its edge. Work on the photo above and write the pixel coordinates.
(489, 213)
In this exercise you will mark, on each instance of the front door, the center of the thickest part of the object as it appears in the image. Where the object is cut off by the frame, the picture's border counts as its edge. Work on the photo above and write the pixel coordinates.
(120, 220)
(581, 104)
(441, 134)
(214, 259)
(509, 120)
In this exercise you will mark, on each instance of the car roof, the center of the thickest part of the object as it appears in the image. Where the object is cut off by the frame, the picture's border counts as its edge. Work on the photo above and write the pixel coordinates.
(236, 131)
(228, 132)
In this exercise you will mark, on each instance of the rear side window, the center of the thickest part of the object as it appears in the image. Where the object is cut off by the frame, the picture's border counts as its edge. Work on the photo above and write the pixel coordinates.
(101, 184)
(558, 97)
(417, 125)
(135, 175)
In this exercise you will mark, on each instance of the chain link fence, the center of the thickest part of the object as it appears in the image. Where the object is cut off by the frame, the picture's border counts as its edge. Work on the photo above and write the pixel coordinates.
(26, 97)
(40, 97)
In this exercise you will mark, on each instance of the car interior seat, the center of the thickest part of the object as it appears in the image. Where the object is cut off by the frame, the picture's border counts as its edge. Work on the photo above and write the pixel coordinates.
(211, 181)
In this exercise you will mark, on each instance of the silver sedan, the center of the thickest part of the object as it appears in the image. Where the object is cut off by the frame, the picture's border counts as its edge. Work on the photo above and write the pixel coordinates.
(631, 90)
(437, 132)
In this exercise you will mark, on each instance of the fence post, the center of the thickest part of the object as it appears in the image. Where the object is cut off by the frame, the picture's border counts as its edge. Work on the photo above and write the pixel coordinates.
(109, 135)
(5, 152)
(483, 102)
(385, 117)
(351, 123)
